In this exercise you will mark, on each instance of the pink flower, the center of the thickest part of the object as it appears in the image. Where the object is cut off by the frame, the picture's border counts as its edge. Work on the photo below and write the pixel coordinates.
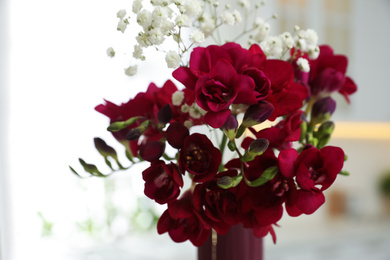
(162, 182)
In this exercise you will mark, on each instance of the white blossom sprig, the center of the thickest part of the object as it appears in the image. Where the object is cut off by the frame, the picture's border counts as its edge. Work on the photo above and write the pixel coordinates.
(189, 23)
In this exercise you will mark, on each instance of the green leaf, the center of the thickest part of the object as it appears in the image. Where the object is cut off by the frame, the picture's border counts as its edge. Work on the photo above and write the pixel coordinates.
(267, 175)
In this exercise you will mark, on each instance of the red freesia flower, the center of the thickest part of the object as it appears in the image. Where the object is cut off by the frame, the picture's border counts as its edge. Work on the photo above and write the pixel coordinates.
(183, 222)
(223, 86)
(147, 104)
(229, 74)
(220, 206)
(199, 157)
(176, 134)
(327, 74)
(162, 182)
(282, 134)
(315, 171)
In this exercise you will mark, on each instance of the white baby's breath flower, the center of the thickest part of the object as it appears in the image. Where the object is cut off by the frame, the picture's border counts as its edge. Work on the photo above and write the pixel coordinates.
(137, 6)
(185, 108)
(244, 3)
(177, 98)
(161, 13)
(121, 13)
(258, 22)
(173, 60)
(273, 46)
(137, 53)
(303, 64)
(314, 52)
(183, 21)
(227, 18)
(143, 40)
(207, 24)
(197, 36)
(131, 71)
(178, 2)
(237, 16)
(122, 25)
(287, 39)
(196, 112)
(160, 2)
(192, 8)
(144, 18)
(110, 52)
(302, 44)
(311, 37)
(165, 26)
(188, 124)
(156, 36)
(262, 32)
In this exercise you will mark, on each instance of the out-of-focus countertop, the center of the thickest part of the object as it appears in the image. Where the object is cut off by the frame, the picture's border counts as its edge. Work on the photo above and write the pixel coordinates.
(299, 238)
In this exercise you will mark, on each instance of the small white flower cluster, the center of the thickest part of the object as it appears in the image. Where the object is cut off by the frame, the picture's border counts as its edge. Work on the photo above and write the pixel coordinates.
(168, 19)
(123, 20)
(307, 41)
(303, 64)
(194, 110)
(303, 40)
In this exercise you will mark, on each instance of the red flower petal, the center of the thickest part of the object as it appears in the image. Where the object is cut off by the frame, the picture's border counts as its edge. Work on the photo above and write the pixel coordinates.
(348, 88)
(185, 76)
(217, 119)
(286, 162)
(309, 201)
(281, 73)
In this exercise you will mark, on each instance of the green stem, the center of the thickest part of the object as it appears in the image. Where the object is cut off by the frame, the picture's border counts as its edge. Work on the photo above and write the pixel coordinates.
(222, 147)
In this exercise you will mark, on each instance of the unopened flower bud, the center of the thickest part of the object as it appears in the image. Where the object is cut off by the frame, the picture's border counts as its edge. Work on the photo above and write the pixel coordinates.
(176, 133)
(323, 141)
(257, 147)
(266, 176)
(227, 182)
(254, 115)
(104, 149)
(134, 134)
(325, 128)
(116, 126)
(257, 113)
(152, 150)
(164, 115)
(322, 110)
(230, 127)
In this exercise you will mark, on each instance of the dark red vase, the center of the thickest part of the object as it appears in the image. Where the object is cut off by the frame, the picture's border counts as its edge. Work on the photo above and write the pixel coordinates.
(238, 244)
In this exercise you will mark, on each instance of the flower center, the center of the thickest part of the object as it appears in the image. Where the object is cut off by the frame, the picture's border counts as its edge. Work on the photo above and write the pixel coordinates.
(197, 160)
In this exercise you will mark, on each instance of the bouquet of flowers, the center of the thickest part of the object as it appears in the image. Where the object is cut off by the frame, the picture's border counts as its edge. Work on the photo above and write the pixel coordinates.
(266, 110)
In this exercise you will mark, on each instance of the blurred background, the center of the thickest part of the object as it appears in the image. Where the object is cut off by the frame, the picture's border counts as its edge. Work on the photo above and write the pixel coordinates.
(53, 72)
